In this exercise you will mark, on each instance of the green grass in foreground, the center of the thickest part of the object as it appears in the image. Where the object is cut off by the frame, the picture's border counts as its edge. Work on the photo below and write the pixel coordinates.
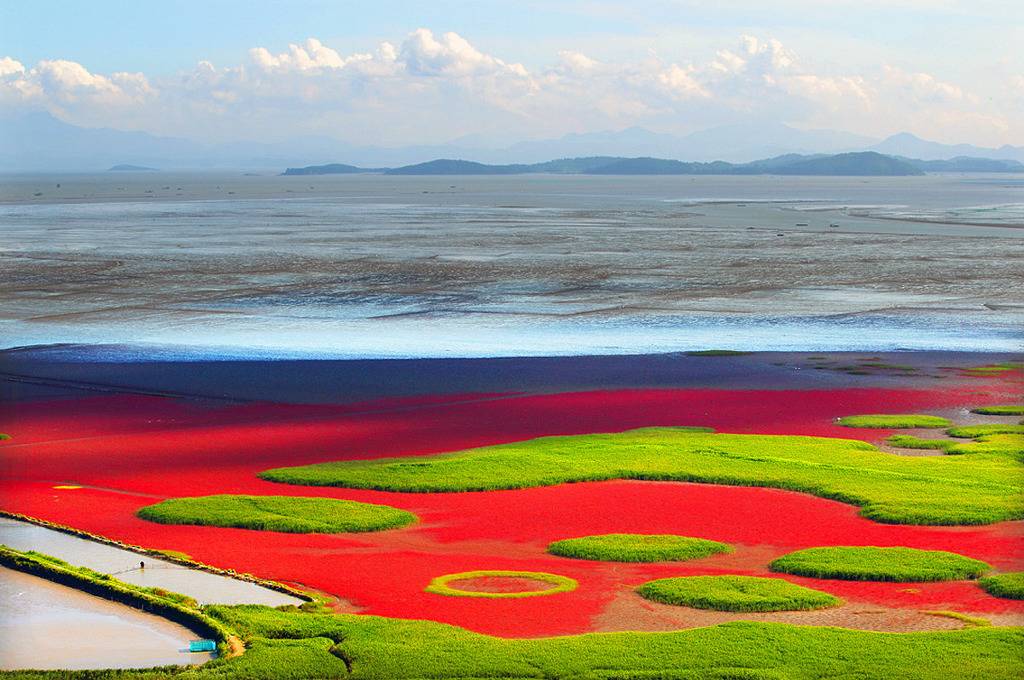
(637, 548)
(736, 594)
(1009, 585)
(883, 421)
(557, 584)
(869, 563)
(291, 514)
(982, 488)
(1001, 410)
(974, 431)
(290, 644)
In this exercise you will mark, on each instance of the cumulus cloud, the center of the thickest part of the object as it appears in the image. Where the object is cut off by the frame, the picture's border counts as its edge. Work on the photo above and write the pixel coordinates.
(430, 87)
(451, 55)
(312, 55)
(10, 67)
(67, 86)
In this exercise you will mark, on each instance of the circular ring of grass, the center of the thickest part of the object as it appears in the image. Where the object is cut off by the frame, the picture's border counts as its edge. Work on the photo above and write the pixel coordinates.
(888, 421)
(636, 548)
(289, 514)
(559, 584)
(869, 563)
(1009, 585)
(729, 593)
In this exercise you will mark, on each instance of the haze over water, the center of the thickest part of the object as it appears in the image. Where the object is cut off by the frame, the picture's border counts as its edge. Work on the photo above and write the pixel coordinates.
(374, 266)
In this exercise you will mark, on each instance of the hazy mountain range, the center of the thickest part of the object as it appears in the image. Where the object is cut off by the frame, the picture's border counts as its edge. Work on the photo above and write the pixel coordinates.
(853, 163)
(40, 142)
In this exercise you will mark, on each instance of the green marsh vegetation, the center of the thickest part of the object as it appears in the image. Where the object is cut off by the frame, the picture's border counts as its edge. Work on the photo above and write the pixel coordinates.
(1009, 585)
(974, 621)
(637, 548)
(1003, 444)
(982, 488)
(550, 584)
(975, 431)
(301, 646)
(1000, 410)
(996, 368)
(291, 514)
(310, 642)
(905, 421)
(908, 441)
(869, 563)
(730, 593)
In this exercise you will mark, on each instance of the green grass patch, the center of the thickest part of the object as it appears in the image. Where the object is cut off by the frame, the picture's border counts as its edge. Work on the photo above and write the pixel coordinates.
(894, 421)
(637, 548)
(717, 353)
(869, 563)
(557, 584)
(1011, 444)
(975, 621)
(1000, 410)
(290, 514)
(736, 594)
(983, 488)
(907, 441)
(1009, 585)
(996, 368)
(974, 431)
(282, 643)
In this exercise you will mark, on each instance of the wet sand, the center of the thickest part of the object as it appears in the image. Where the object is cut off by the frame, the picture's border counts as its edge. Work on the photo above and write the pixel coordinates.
(44, 625)
(376, 267)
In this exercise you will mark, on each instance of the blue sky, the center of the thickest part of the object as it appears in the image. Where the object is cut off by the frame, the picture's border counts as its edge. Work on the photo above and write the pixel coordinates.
(944, 67)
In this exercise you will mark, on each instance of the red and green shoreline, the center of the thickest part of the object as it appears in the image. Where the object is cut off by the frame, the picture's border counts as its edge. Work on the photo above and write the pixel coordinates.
(126, 450)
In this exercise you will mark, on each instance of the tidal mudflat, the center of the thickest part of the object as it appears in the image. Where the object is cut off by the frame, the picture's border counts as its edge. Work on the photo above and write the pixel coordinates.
(370, 266)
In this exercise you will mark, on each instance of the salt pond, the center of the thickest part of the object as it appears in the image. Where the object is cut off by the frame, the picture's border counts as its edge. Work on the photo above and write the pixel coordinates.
(49, 626)
(204, 587)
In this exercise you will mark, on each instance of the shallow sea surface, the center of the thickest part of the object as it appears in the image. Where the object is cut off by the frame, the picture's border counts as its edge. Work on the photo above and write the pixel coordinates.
(372, 266)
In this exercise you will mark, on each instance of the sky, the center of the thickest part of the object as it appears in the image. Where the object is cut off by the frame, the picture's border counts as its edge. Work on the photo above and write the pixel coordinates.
(396, 73)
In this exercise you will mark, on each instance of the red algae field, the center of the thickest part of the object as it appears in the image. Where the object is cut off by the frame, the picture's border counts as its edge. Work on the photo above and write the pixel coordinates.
(91, 462)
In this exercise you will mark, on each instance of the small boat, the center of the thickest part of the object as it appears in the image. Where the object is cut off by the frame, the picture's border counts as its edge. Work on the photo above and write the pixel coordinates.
(202, 646)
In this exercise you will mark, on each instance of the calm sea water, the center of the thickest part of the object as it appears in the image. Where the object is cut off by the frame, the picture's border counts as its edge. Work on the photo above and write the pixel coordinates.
(372, 266)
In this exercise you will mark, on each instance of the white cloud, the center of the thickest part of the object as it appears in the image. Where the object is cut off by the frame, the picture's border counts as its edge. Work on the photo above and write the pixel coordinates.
(450, 56)
(10, 67)
(432, 87)
(311, 56)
